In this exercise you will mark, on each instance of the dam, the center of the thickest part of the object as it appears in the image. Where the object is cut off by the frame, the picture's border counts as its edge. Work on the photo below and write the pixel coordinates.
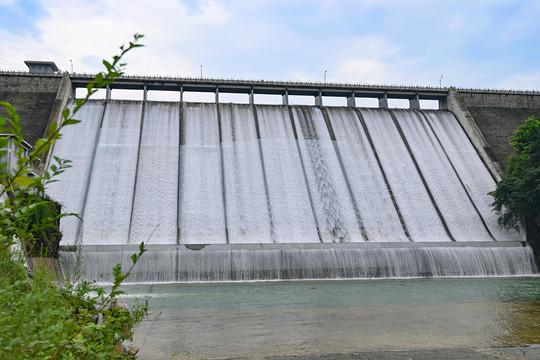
(248, 192)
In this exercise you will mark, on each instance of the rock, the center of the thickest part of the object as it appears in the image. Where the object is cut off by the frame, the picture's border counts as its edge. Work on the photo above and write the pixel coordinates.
(129, 348)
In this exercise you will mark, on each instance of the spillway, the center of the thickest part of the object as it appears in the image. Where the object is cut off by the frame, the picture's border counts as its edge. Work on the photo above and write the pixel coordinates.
(231, 192)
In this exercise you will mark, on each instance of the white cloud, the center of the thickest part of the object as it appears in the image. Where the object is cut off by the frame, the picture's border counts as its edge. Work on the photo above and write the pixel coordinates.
(373, 47)
(528, 81)
(363, 71)
(85, 32)
(455, 22)
(358, 41)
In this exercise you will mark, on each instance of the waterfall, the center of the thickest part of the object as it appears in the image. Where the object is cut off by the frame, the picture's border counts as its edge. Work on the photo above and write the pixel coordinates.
(277, 192)
(264, 262)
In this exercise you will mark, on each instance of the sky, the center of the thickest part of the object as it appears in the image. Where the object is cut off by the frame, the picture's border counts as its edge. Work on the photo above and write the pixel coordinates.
(487, 44)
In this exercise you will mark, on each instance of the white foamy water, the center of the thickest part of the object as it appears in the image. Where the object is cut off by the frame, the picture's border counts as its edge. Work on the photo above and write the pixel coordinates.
(107, 214)
(459, 214)
(77, 144)
(156, 188)
(248, 217)
(418, 211)
(290, 204)
(268, 184)
(331, 199)
(470, 168)
(371, 195)
(201, 206)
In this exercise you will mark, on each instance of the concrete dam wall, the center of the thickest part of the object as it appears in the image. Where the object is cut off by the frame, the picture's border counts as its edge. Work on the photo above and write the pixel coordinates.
(230, 192)
(498, 115)
(226, 192)
(33, 96)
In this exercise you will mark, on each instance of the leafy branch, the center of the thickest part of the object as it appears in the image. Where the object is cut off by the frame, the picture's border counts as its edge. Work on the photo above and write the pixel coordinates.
(38, 319)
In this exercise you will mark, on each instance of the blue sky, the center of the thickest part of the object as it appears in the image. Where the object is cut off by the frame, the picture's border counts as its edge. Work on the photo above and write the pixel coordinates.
(479, 44)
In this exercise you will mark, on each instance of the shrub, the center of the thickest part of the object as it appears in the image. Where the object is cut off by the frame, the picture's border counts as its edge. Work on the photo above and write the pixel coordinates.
(40, 319)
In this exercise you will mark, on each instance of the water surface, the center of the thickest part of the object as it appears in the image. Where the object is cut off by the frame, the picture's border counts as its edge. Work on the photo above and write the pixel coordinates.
(254, 320)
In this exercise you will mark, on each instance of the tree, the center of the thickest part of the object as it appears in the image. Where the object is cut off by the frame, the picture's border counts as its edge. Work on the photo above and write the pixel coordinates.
(38, 318)
(517, 196)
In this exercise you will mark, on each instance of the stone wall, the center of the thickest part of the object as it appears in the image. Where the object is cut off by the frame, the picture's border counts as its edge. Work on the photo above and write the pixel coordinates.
(33, 97)
(498, 115)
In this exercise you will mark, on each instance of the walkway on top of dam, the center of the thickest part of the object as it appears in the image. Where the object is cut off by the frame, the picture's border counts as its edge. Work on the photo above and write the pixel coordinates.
(284, 89)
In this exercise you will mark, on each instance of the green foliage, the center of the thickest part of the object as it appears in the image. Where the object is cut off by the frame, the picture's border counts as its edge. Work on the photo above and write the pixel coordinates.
(517, 196)
(42, 230)
(40, 319)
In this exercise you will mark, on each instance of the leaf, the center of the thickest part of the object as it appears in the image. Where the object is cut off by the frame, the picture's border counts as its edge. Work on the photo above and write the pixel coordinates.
(107, 65)
(53, 127)
(23, 181)
(65, 113)
(72, 122)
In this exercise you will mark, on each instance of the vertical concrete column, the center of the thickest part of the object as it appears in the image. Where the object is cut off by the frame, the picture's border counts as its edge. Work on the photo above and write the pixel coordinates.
(181, 94)
(285, 98)
(414, 103)
(351, 100)
(108, 93)
(318, 99)
(217, 94)
(251, 97)
(383, 101)
(443, 104)
(145, 93)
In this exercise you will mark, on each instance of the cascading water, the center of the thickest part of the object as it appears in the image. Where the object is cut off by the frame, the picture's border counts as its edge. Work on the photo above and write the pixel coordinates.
(260, 192)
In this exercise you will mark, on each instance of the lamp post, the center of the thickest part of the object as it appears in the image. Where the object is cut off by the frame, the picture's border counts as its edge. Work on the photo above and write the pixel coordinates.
(325, 76)
(440, 82)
